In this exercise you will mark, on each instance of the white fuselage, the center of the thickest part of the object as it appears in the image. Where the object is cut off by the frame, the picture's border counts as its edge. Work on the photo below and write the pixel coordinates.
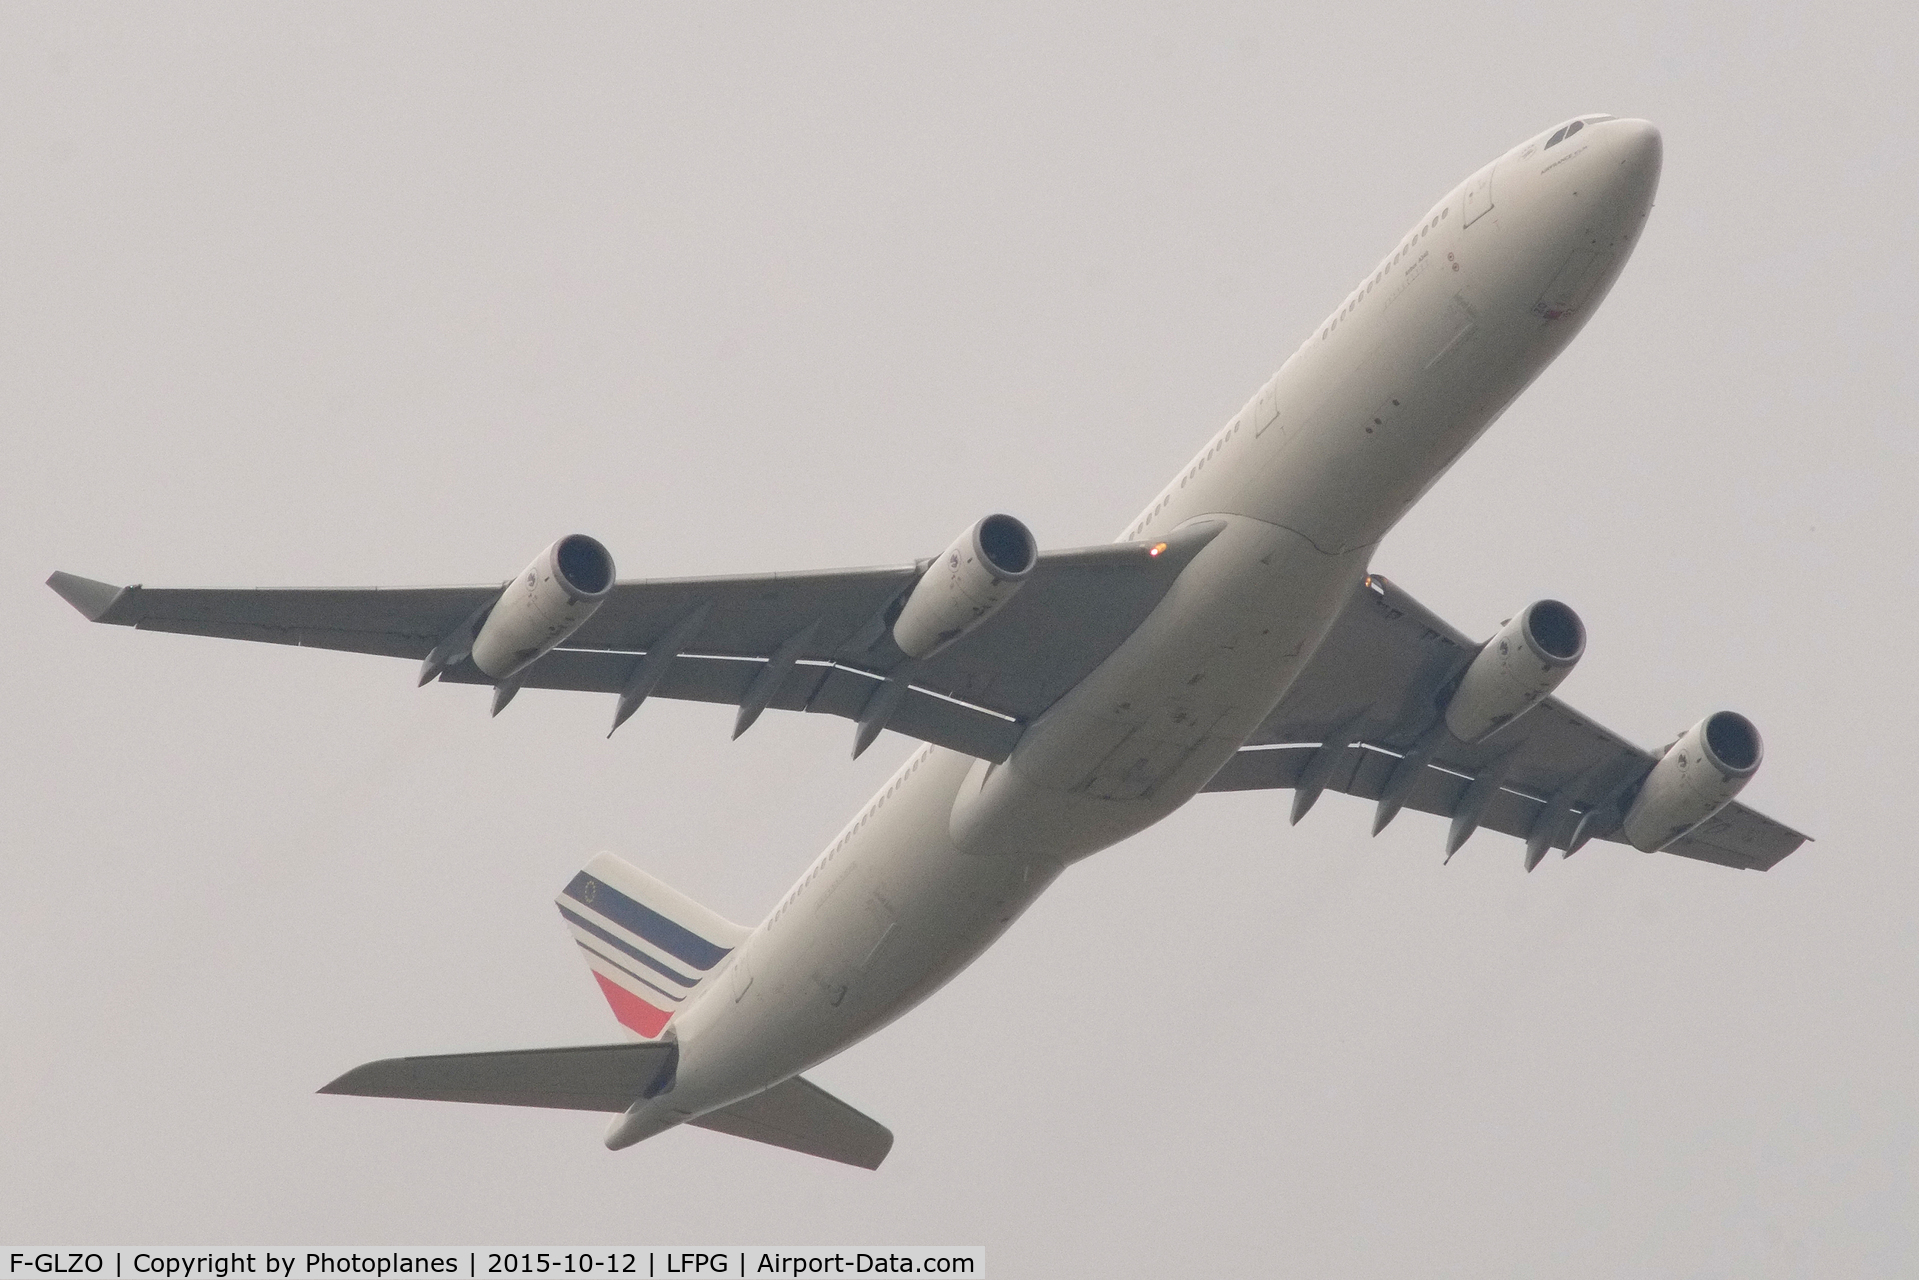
(1464, 312)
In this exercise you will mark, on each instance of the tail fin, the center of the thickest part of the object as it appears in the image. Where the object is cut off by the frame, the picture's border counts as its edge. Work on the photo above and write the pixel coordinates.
(651, 948)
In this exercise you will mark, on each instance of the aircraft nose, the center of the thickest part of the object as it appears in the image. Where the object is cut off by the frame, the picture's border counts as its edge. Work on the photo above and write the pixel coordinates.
(1640, 150)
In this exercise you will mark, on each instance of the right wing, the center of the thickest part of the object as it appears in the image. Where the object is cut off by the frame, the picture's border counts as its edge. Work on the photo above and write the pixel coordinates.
(976, 695)
(1554, 777)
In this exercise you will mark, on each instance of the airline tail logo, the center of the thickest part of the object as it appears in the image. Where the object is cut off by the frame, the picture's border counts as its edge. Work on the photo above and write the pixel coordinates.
(647, 964)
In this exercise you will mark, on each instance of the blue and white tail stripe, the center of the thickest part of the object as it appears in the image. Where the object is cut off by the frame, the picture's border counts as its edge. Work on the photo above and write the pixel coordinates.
(650, 948)
(642, 921)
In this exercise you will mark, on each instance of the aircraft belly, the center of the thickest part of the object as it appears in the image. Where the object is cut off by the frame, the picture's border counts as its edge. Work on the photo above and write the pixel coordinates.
(1151, 725)
(1370, 424)
(891, 915)
(1372, 415)
(1379, 436)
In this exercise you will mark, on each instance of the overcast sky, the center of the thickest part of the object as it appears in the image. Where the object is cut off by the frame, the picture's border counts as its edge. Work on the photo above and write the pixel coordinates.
(379, 295)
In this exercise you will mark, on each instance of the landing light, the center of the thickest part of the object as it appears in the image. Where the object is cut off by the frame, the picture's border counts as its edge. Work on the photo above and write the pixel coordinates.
(1157, 548)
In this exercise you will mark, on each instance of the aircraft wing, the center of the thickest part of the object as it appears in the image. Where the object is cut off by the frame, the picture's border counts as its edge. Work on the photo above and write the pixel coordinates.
(1380, 675)
(975, 696)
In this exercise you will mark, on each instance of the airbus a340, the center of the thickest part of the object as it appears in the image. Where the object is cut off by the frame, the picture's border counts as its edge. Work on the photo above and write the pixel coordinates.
(1234, 637)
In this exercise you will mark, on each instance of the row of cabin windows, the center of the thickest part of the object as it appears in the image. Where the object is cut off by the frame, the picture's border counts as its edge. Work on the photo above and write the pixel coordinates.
(912, 767)
(1203, 459)
(1191, 471)
(1360, 294)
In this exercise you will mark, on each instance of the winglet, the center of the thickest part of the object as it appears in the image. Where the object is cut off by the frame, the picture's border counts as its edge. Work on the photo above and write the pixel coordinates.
(93, 599)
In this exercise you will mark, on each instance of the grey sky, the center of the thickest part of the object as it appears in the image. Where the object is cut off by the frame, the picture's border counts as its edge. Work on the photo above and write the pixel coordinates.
(345, 295)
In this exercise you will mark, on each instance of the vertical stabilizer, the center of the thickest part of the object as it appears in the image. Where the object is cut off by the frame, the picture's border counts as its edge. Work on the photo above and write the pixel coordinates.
(650, 947)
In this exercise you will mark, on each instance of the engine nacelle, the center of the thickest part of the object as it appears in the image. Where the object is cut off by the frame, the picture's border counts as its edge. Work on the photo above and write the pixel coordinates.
(543, 606)
(1696, 778)
(966, 585)
(1520, 665)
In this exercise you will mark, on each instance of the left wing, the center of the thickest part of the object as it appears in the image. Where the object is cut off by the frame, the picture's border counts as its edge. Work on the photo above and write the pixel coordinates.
(1373, 692)
(817, 642)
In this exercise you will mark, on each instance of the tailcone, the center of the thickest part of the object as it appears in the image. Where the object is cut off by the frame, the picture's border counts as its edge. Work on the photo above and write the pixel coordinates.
(643, 1120)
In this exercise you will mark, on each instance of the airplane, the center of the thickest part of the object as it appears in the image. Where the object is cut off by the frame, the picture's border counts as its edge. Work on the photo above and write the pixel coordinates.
(1233, 637)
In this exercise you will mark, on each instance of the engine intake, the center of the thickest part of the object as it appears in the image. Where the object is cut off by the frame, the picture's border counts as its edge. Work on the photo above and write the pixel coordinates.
(1696, 778)
(970, 582)
(1521, 664)
(559, 591)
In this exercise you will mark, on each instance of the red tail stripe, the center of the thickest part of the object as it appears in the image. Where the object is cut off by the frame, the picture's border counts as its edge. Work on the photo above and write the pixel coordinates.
(630, 1009)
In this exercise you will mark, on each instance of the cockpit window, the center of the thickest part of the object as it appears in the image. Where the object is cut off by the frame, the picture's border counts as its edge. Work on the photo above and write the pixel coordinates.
(1564, 134)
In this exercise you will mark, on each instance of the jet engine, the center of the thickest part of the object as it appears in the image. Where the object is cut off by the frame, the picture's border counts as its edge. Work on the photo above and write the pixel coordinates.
(544, 605)
(1696, 778)
(966, 585)
(1520, 665)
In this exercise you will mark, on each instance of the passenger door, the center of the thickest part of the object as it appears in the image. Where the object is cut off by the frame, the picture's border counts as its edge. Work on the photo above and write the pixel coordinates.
(1479, 197)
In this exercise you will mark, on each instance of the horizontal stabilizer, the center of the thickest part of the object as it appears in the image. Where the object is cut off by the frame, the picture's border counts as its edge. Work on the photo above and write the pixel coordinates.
(795, 1114)
(800, 1116)
(594, 1077)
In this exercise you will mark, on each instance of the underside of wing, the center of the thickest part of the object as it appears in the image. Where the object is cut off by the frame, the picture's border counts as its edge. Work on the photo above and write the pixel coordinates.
(1366, 717)
(398, 622)
(820, 642)
(820, 686)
